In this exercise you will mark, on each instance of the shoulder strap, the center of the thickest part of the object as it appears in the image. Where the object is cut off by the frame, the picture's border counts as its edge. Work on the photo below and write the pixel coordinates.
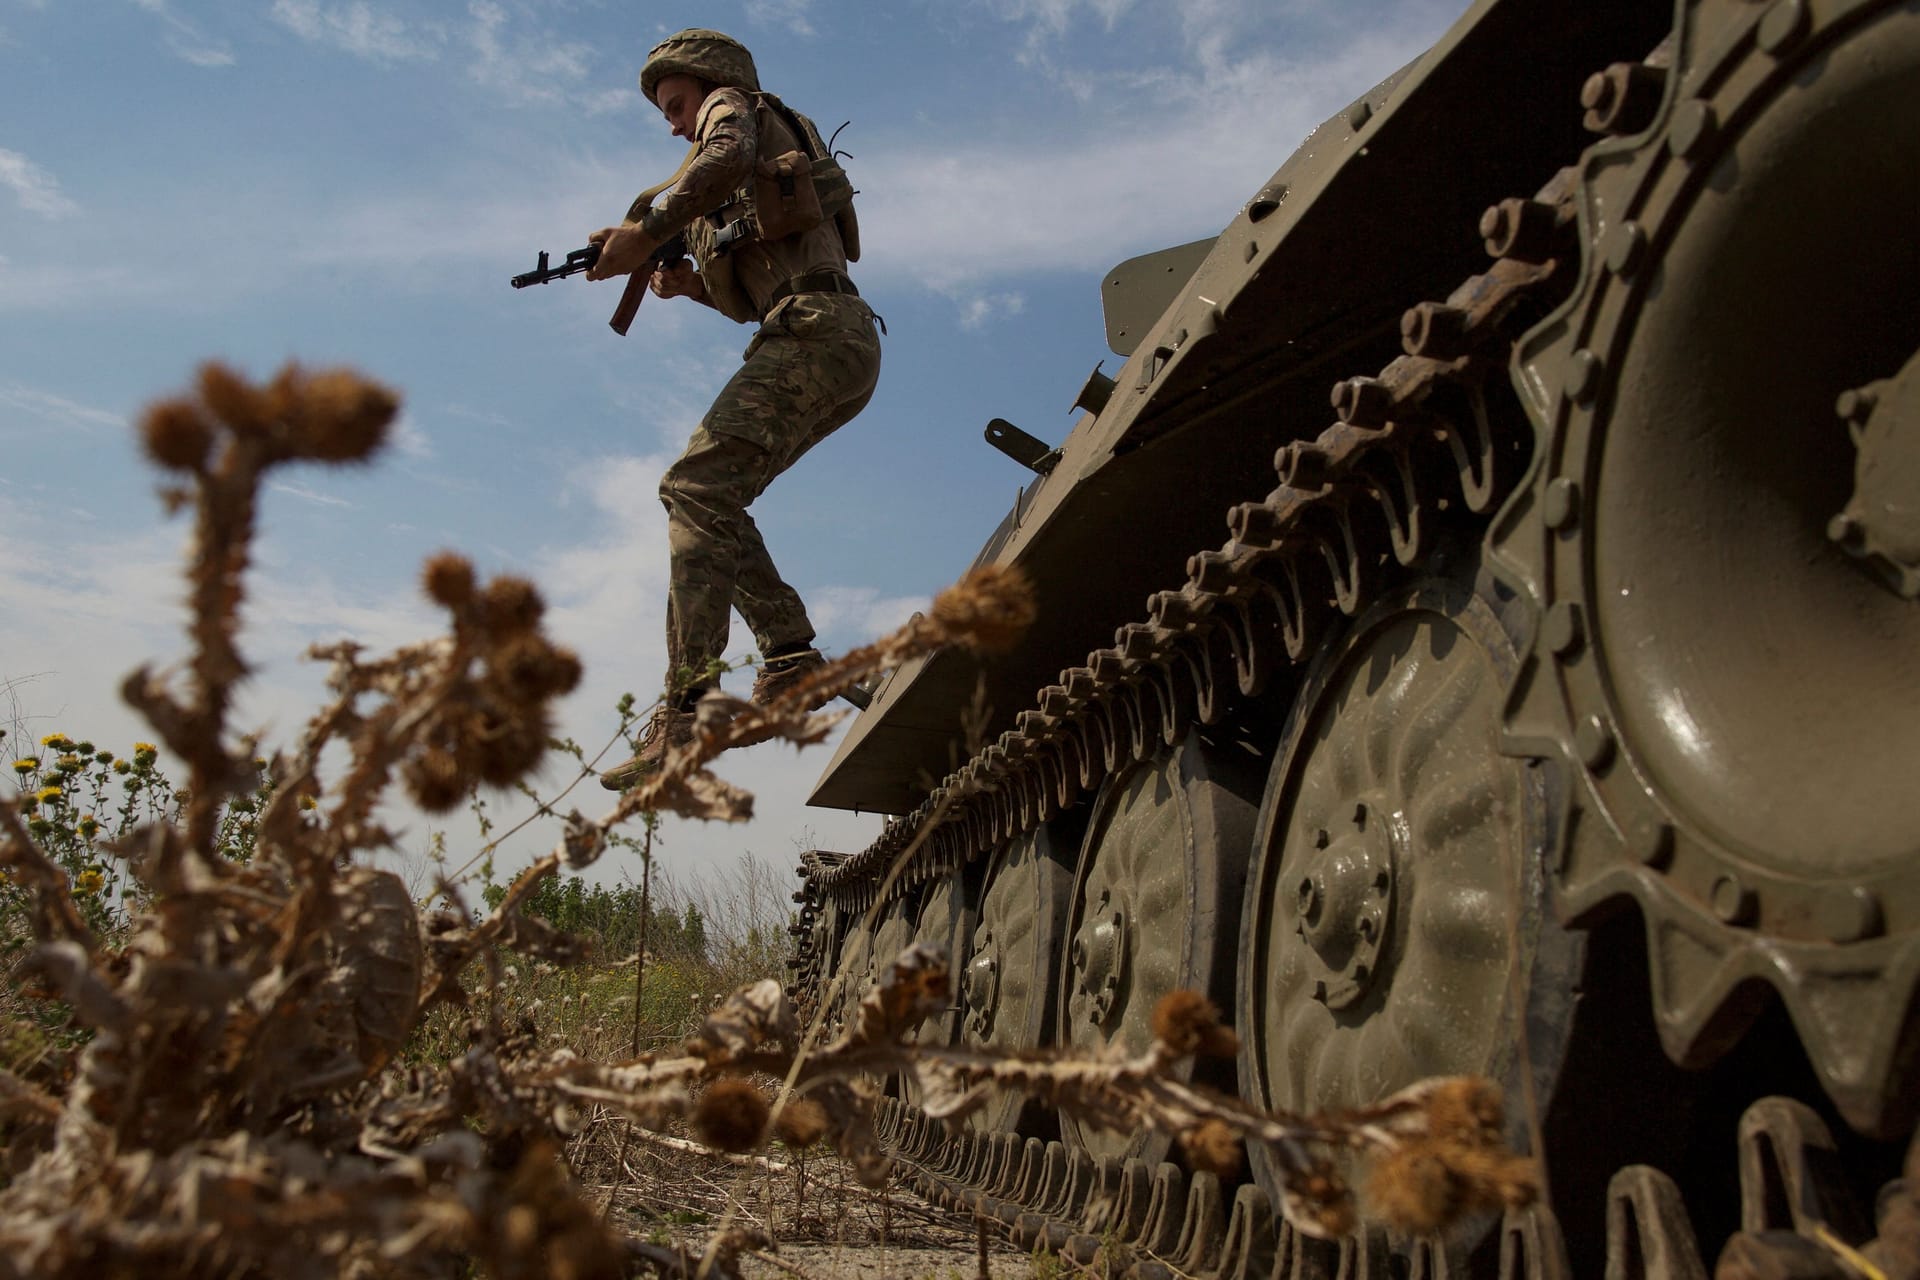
(635, 291)
(808, 138)
(644, 201)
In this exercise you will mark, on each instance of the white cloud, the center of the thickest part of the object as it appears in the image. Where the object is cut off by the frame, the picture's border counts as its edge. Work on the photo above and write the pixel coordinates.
(201, 55)
(185, 40)
(960, 216)
(604, 102)
(790, 14)
(520, 67)
(977, 308)
(1049, 19)
(846, 617)
(356, 28)
(409, 439)
(306, 494)
(609, 592)
(35, 190)
(37, 409)
(529, 69)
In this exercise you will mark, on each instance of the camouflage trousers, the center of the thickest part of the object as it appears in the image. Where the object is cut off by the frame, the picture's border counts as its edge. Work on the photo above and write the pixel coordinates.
(810, 368)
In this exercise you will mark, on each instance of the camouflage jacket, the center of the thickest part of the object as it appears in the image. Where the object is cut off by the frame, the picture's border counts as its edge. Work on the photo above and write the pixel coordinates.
(730, 132)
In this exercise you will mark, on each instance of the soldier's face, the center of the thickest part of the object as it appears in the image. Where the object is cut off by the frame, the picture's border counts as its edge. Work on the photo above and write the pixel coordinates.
(679, 97)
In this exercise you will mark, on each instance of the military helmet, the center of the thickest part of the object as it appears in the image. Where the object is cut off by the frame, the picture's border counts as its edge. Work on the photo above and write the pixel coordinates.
(698, 52)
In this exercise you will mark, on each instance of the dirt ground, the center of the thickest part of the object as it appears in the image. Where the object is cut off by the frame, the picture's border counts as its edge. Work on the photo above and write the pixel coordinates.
(821, 1223)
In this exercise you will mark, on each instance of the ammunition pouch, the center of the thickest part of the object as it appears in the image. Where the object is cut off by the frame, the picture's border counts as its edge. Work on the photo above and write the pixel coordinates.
(795, 191)
(784, 198)
(725, 291)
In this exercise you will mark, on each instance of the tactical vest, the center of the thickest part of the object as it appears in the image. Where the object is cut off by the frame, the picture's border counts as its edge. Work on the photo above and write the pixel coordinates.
(791, 191)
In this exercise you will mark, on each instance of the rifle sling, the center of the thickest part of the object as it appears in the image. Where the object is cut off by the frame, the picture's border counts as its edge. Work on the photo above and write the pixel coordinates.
(636, 291)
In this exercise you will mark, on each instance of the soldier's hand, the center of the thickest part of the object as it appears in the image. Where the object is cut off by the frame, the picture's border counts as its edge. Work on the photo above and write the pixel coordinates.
(677, 281)
(623, 250)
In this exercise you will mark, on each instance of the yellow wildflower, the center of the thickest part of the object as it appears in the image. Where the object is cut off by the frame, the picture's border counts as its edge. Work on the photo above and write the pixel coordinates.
(146, 747)
(26, 764)
(58, 741)
(121, 766)
(89, 826)
(308, 802)
(47, 795)
(88, 883)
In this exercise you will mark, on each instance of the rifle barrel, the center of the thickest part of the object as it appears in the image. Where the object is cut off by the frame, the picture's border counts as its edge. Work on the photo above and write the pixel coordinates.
(578, 260)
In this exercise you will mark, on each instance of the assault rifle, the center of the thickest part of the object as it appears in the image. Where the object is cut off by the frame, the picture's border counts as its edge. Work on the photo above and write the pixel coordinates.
(669, 254)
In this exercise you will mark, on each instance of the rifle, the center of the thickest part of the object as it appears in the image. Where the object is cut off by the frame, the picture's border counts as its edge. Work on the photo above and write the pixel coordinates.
(671, 253)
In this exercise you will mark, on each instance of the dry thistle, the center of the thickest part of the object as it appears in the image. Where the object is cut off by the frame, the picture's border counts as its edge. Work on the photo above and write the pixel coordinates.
(176, 435)
(510, 606)
(1425, 1186)
(731, 1116)
(448, 579)
(434, 780)
(989, 609)
(1466, 1109)
(1187, 1022)
(240, 407)
(529, 669)
(1214, 1148)
(802, 1123)
(342, 417)
(1454, 1162)
(1317, 1201)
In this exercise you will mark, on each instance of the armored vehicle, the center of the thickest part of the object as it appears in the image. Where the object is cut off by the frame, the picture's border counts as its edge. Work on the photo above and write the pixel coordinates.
(1477, 633)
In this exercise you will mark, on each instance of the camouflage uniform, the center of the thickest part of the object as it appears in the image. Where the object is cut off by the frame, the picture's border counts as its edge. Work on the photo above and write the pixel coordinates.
(809, 369)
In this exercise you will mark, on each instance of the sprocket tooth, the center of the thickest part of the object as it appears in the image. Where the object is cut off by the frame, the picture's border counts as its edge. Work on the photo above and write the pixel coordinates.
(1863, 1074)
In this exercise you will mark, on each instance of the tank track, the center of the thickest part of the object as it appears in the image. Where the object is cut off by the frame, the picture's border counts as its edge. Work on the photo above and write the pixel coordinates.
(1796, 1214)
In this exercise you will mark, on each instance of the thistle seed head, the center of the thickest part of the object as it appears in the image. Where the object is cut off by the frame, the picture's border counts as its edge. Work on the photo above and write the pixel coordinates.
(731, 1116)
(988, 610)
(448, 579)
(177, 435)
(802, 1123)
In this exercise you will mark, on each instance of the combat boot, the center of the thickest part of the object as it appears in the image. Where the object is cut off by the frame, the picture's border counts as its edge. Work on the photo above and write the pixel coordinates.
(782, 674)
(669, 730)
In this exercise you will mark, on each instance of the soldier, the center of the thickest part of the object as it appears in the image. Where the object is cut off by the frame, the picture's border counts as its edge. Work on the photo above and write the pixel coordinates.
(810, 367)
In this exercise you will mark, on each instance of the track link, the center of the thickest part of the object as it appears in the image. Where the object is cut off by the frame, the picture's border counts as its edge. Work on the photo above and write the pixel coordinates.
(1797, 1217)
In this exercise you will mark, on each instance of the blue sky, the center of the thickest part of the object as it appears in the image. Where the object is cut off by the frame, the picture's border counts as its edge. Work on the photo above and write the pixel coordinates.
(354, 182)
